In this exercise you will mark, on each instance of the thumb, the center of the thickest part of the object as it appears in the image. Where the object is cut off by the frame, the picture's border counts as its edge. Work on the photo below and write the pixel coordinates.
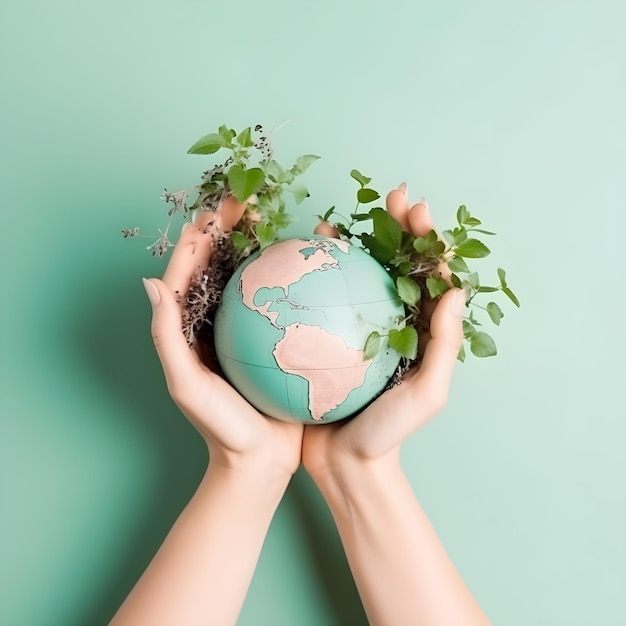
(176, 358)
(446, 337)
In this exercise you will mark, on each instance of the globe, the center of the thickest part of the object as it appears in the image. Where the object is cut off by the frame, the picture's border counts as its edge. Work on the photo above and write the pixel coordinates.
(292, 325)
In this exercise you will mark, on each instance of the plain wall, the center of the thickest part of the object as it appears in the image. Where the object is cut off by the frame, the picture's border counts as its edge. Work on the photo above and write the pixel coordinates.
(515, 109)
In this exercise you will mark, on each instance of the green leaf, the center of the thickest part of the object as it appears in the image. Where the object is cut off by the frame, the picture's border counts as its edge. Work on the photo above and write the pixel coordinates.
(502, 277)
(280, 219)
(274, 171)
(300, 192)
(365, 195)
(381, 252)
(462, 214)
(244, 139)
(207, 144)
(471, 221)
(482, 345)
(328, 213)
(460, 235)
(511, 296)
(468, 329)
(436, 286)
(485, 289)
(360, 217)
(303, 163)
(421, 245)
(473, 320)
(456, 281)
(227, 134)
(461, 355)
(266, 233)
(474, 280)
(239, 241)
(408, 290)
(372, 346)
(495, 313)
(386, 229)
(457, 264)
(404, 341)
(243, 183)
(362, 180)
(448, 236)
(472, 249)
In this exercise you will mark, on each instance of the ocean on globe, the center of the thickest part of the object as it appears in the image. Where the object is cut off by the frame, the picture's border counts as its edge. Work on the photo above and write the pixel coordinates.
(292, 325)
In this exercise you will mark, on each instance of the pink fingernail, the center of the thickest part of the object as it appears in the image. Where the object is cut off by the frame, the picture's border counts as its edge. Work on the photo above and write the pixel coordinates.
(425, 203)
(403, 187)
(152, 292)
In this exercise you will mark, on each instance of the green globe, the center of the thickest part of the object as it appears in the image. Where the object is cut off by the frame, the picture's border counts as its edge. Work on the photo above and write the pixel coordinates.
(292, 325)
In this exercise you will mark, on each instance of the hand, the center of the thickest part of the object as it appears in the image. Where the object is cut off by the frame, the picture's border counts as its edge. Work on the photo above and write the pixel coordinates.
(236, 434)
(380, 429)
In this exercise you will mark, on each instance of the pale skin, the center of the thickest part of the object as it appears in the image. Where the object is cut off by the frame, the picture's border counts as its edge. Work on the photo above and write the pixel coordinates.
(202, 571)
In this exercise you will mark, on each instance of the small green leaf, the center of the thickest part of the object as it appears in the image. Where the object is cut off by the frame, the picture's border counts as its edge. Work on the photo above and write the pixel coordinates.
(473, 320)
(274, 171)
(360, 217)
(474, 280)
(381, 252)
(244, 139)
(436, 286)
(227, 134)
(404, 341)
(482, 345)
(462, 214)
(456, 281)
(460, 235)
(303, 163)
(457, 264)
(372, 346)
(421, 245)
(408, 290)
(461, 355)
(511, 296)
(362, 180)
(448, 236)
(280, 219)
(328, 213)
(502, 277)
(495, 313)
(207, 145)
(239, 241)
(266, 234)
(472, 221)
(485, 289)
(468, 329)
(300, 192)
(365, 195)
(386, 229)
(243, 183)
(472, 249)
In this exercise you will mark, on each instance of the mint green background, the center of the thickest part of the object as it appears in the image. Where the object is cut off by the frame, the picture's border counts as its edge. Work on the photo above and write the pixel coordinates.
(514, 108)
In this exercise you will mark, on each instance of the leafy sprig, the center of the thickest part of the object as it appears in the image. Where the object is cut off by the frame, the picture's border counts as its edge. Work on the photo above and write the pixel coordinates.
(415, 264)
(249, 173)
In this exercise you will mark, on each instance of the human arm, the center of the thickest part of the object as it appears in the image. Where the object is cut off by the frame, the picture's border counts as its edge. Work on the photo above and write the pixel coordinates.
(401, 569)
(202, 570)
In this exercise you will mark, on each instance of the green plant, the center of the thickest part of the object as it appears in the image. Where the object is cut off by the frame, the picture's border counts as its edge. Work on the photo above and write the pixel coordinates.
(250, 173)
(414, 263)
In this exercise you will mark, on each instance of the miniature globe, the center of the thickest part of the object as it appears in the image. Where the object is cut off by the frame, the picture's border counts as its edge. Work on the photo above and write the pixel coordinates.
(292, 325)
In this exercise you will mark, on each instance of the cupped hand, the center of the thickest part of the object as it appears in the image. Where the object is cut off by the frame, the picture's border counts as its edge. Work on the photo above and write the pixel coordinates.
(380, 429)
(237, 435)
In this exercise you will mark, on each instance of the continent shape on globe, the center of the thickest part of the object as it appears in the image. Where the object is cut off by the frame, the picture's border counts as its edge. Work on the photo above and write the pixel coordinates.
(292, 325)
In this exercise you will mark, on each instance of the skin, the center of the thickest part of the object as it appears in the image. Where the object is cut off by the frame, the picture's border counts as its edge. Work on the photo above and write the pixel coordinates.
(202, 571)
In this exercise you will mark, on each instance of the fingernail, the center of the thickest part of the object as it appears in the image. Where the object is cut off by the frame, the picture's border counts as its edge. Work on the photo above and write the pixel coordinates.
(425, 203)
(152, 292)
(403, 187)
(458, 302)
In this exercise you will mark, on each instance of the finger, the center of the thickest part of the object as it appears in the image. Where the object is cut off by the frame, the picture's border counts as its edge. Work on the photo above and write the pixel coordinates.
(178, 361)
(230, 212)
(191, 253)
(398, 206)
(432, 381)
(420, 221)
